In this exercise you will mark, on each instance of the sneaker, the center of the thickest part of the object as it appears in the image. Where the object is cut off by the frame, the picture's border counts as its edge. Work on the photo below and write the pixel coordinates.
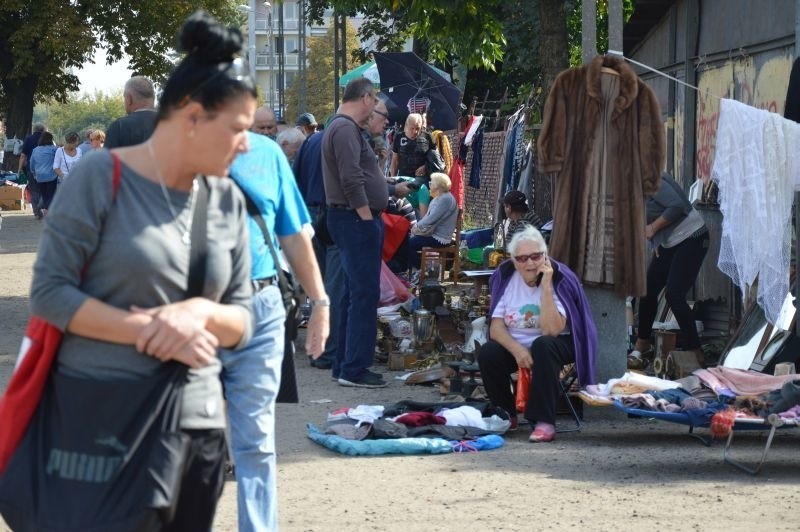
(542, 433)
(369, 380)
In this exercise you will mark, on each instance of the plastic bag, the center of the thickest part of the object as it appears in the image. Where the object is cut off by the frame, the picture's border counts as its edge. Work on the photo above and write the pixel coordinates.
(523, 386)
(392, 288)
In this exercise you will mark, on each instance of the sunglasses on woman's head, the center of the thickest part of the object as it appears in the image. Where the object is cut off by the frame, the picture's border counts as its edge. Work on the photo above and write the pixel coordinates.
(236, 70)
(535, 257)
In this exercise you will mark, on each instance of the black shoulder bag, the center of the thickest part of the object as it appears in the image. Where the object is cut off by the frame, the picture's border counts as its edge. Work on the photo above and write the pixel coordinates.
(105, 455)
(287, 393)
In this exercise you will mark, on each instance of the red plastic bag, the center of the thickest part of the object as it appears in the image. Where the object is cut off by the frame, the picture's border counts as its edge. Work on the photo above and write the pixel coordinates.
(523, 386)
(395, 230)
(393, 290)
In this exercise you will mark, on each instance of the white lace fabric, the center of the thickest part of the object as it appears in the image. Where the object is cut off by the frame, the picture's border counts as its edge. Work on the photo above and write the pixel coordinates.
(755, 166)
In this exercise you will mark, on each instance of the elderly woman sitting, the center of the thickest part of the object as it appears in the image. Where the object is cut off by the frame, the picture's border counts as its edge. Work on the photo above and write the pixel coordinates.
(541, 321)
(435, 229)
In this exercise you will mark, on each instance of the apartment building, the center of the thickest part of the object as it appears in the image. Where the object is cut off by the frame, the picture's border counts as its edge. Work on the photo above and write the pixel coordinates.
(278, 44)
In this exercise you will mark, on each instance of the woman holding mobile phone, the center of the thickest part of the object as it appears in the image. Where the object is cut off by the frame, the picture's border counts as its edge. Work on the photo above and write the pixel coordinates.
(540, 321)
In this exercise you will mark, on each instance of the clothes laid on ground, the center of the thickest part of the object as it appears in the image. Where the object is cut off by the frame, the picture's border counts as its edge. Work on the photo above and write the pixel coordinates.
(413, 427)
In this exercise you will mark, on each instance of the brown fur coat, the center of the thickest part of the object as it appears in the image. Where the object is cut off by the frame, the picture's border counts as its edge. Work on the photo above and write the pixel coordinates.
(578, 130)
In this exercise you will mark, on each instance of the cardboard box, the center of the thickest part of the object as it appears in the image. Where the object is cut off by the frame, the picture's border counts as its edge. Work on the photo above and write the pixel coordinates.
(11, 198)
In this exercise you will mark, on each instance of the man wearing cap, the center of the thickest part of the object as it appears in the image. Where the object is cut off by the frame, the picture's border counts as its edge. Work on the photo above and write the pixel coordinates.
(307, 124)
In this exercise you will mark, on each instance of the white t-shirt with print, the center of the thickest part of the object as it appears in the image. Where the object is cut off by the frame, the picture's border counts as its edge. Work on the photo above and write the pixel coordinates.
(520, 309)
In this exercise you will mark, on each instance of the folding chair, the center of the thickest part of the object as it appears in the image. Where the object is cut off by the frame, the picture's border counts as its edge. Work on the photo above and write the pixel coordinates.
(568, 377)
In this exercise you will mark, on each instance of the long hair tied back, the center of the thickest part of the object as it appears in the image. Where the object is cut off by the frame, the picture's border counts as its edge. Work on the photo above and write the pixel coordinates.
(206, 74)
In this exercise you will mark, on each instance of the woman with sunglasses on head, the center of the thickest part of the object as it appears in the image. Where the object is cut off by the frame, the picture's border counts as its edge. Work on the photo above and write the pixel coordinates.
(126, 313)
(540, 320)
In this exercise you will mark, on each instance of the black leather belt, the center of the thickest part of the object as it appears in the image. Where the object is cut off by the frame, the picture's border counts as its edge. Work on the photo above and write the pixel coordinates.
(260, 284)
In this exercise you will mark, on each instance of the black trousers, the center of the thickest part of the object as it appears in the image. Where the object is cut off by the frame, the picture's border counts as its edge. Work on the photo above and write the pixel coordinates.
(202, 482)
(46, 192)
(676, 268)
(549, 354)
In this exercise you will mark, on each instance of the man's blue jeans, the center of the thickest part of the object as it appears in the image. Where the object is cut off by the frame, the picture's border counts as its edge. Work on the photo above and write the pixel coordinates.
(360, 243)
(335, 288)
(251, 377)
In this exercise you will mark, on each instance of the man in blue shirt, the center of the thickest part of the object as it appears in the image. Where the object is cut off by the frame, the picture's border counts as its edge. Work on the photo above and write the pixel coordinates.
(251, 376)
(307, 168)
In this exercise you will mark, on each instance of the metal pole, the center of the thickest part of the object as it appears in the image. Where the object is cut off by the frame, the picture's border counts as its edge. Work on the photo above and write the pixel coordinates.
(303, 81)
(336, 70)
(251, 38)
(271, 59)
(589, 30)
(281, 56)
(615, 17)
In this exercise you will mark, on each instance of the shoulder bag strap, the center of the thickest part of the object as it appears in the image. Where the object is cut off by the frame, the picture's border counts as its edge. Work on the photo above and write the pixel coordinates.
(253, 211)
(199, 239)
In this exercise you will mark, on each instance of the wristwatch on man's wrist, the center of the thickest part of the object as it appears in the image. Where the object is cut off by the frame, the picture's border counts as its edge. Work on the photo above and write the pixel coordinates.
(324, 302)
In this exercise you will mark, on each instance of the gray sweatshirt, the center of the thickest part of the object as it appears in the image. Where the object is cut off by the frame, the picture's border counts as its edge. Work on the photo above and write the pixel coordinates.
(349, 169)
(442, 216)
(138, 259)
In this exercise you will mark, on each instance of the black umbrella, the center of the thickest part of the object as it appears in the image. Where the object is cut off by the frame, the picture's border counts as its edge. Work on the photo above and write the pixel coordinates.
(404, 76)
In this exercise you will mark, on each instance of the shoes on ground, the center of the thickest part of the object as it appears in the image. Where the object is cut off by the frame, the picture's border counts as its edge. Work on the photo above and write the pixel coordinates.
(368, 380)
(321, 363)
(543, 432)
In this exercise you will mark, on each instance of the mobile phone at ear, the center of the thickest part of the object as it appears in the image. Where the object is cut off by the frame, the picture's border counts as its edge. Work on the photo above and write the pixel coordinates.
(539, 278)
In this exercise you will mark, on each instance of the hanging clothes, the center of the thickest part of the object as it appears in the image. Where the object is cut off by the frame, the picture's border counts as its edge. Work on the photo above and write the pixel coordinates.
(603, 135)
(457, 174)
(477, 159)
(755, 165)
(472, 128)
(525, 184)
(517, 145)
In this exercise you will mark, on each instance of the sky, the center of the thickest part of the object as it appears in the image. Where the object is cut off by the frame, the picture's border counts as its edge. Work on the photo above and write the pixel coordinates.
(99, 76)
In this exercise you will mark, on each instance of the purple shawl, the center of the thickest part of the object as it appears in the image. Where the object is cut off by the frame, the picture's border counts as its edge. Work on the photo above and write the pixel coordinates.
(579, 316)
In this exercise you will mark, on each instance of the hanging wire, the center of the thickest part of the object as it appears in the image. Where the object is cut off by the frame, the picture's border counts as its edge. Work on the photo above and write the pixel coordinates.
(651, 69)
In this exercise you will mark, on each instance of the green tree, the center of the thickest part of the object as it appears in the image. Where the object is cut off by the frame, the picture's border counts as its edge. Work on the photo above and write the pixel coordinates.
(80, 114)
(469, 31)
(319, 75)
(41, 43)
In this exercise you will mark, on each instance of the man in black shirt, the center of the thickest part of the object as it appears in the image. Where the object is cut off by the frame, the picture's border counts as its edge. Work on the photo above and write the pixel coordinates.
(141, 120)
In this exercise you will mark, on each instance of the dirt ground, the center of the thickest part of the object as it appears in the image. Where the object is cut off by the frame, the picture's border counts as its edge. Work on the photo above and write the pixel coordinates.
(617, 473)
